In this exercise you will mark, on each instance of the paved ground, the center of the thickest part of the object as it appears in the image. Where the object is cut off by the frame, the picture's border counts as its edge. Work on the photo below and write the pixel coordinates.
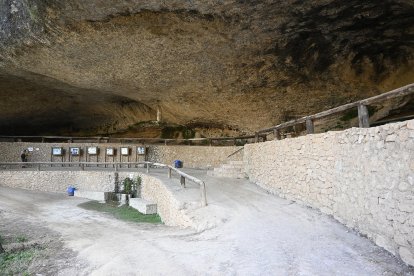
(257, 234)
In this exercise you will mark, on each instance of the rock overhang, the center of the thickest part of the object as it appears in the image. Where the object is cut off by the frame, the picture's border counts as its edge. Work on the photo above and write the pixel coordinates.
(199, 61)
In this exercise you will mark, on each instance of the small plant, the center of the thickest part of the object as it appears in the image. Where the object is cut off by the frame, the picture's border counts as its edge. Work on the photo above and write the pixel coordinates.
(21, 239)
(127, 183)
(131, 186)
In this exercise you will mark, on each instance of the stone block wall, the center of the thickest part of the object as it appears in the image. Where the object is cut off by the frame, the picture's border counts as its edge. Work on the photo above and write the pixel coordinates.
(363, 177)
(58, 181)
(170, 209)
(193, 156)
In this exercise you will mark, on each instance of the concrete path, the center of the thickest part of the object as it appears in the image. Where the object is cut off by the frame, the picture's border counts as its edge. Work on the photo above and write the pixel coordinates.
(253, 233)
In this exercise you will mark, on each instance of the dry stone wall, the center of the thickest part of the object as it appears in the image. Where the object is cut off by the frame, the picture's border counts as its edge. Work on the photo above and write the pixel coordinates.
(193, 156)
(363, 177)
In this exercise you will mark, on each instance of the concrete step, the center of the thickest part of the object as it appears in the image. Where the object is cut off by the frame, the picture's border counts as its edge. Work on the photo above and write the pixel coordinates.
(143, 206)
(231, 166)
(226, 174)
(99, 196)
(234, 162)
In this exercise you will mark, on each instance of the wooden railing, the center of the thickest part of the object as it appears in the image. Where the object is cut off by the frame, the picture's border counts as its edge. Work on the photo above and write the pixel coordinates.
(362, 106)
(112, 165)
(363, 117)
(102, 139)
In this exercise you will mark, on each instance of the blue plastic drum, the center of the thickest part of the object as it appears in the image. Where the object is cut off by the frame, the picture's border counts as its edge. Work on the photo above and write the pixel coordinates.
(178, 164)
(70, 191)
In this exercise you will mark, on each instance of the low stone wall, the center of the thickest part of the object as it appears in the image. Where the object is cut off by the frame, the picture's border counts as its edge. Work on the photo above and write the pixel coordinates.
(193, 156)
(58, 181)
(88, 183)
(170, 209)
(363, 177)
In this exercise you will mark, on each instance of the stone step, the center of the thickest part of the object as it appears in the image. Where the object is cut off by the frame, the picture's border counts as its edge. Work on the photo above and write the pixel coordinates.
(226, 174)
(221, 170)
(99, 196)
(143, 206)
(234, 162)
(231, 166)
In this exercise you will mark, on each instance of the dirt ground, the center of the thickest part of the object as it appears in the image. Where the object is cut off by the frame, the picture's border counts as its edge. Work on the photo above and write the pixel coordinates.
(260, 234)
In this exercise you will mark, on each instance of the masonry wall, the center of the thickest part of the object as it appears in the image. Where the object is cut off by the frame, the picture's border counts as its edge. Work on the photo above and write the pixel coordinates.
(193, 156)
(170, 209)
(363, 177)
(58, 181)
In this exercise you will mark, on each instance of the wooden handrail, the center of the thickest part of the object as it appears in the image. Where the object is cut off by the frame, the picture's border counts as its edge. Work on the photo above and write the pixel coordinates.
(399, 92)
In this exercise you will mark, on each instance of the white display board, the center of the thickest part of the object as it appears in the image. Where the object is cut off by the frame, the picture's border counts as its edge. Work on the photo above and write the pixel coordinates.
(125, 151)
(141, 150)
(57, 151)
(110, 151)
(75, 151)
(92, 150)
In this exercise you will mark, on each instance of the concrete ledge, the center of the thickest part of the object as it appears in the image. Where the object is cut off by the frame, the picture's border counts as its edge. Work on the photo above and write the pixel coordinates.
(143, 206)
(100, 196)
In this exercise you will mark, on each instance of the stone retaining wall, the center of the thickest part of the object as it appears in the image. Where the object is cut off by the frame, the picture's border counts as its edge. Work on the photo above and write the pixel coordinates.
(89, 182)
(193, 156)
(363, 177)
(58, 181)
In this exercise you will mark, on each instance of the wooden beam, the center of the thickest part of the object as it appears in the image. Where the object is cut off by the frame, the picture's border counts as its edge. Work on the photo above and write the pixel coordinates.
(400, 92)
(363, 116)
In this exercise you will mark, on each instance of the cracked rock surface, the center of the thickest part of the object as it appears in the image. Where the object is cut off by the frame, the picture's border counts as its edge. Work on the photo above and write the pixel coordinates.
(102, 66)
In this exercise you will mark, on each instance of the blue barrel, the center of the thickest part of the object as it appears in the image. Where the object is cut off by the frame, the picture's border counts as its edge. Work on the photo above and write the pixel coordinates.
(71, 191)
(178, 164)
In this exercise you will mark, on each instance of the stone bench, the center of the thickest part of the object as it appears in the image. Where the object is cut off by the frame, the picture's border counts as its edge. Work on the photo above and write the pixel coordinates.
(143, 206)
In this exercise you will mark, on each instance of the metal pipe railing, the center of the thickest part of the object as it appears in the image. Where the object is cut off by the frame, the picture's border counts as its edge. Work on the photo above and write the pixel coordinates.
(116, 166)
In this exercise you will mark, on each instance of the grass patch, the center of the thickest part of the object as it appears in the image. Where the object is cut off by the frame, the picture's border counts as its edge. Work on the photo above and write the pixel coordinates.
(16, 263)
(21, 239)
(123, 213)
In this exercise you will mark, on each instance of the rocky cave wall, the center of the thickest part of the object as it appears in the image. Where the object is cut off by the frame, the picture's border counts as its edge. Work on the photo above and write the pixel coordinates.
(93, 67)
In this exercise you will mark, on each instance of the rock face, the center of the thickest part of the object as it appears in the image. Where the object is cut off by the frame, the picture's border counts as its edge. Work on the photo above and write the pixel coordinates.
(101, 66)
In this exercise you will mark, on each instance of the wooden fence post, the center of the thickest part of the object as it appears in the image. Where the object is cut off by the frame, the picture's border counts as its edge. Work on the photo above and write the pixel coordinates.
(276, 134)
(169, 172)
(309, 126)
(256, 137)
(363, 116)
(182, 181)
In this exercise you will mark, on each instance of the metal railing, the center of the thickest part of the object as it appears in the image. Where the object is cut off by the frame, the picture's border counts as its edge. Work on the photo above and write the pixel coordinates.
(110, 165)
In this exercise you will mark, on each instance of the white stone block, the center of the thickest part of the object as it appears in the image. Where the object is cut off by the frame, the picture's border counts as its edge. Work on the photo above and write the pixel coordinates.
(410, 124)
(406, 255)
(143, 206)
(99, 196)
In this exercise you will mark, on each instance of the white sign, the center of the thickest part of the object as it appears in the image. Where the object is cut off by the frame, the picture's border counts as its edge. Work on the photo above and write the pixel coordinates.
(57, 151)
(125, 151)
(75, 151)
(141, 150)
(110, 151)
(30, 149)
(92, 150)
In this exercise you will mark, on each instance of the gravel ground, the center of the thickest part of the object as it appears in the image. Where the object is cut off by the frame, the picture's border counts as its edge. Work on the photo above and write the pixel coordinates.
(258, 234)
